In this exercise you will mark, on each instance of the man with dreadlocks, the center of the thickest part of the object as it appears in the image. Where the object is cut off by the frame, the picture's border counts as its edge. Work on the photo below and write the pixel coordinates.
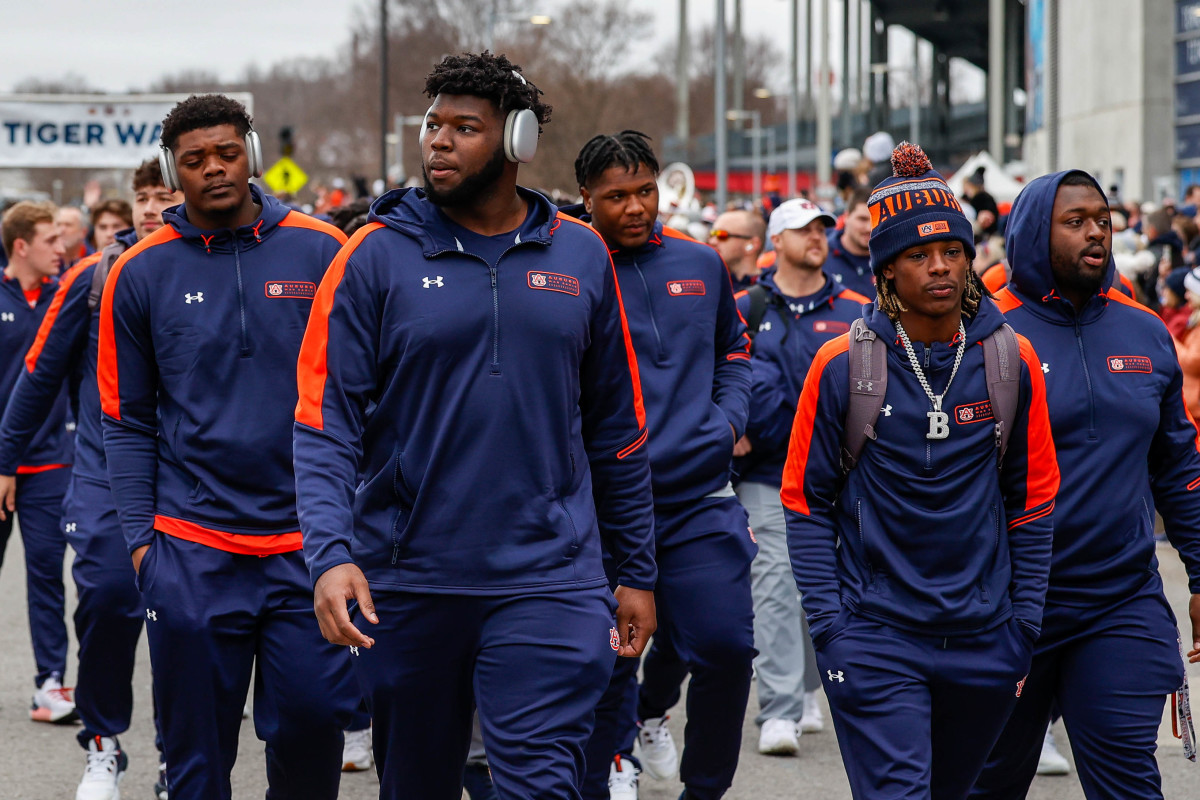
(693, 355)
(923, 567)
(467, 356)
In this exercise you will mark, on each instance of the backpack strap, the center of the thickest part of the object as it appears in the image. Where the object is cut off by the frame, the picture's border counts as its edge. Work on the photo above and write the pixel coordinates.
(868, 385)
(100, 274)
(759, 300)
(1002, 364)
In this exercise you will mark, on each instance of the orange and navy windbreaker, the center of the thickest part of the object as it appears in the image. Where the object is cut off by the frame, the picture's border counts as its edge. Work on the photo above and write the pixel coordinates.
(470, 426)
(693, 357)
(1127, 446)
(923, 534)
(51, 444)
(199, 335)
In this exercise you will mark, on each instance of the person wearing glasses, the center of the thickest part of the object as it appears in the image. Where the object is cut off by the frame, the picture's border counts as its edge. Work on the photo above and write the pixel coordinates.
(738, 237)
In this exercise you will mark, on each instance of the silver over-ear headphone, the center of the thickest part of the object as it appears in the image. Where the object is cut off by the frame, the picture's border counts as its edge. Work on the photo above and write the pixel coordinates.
(520, 132)
(166, 161)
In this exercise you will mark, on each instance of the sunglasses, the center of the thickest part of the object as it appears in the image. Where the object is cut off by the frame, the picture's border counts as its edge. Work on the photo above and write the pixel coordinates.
(722, 235)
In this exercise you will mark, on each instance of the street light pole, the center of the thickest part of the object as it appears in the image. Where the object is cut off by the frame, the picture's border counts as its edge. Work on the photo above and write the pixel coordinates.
(721, 142)
(824, 112)
(383, 92)
(793, 100)
(756, 131)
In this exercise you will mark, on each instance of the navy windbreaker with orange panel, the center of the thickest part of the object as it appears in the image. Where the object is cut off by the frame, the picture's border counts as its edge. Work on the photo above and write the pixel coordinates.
(51, 443)
(470, 428)
(693, 357)
(1126, 444)
(199, 335)
(784, 347)
(923, 535)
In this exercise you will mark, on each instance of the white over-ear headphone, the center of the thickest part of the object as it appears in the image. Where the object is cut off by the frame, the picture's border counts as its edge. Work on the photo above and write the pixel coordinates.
(520, 132)
(166, 161)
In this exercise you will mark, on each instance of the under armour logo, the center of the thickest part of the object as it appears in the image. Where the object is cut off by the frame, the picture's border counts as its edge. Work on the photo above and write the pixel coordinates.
(433, 282)
(865, 386)
(887, 410)
(198, 297)
(766, 326)
(835, 676)
(8, 316)
(353, 650)
(1045, 367)
(151, 615)
(69, 527)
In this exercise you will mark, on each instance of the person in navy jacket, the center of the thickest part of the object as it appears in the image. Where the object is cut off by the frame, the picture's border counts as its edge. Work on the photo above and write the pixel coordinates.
(109, 613)
(805, 308)
(924, 568)
(694, 359)
(470, 430)
(849, 250)
(1109, 651)
(200, 328)
(34, 481)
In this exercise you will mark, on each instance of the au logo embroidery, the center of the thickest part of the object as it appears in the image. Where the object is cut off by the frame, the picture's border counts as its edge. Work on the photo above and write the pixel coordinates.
(830, 326)
(297, 290)
(685, 288)
(1021, 685)
(930, 228)
(554, 282)
(973, 412)
(614, 639)
(1139, 364)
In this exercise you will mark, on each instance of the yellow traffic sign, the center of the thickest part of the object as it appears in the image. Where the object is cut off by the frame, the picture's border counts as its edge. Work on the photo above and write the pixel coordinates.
(285, 177)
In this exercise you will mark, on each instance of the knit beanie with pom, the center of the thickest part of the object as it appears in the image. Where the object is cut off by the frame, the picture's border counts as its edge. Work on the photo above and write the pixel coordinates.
(913, 207)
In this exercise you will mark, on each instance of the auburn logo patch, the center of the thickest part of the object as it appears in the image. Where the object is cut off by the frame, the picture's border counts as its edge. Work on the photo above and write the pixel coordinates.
(683, 288)
(830, 326)
(554, 282)
(614, 639)
(973, 412)
(295, 290)
(930, 228)
(1130, 364)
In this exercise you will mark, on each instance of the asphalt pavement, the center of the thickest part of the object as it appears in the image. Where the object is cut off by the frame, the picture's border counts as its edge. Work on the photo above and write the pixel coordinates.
(43, 762)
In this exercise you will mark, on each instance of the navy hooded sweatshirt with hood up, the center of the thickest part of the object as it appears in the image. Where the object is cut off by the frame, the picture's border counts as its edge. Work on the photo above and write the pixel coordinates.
(924, 535)
(199, 335)
(693, 357)
(64, 352)
(1126, 444)
(472, 427)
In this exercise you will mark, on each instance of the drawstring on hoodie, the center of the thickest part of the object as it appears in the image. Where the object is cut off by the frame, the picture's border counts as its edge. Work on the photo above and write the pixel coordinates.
(257, 235)
(208, 242)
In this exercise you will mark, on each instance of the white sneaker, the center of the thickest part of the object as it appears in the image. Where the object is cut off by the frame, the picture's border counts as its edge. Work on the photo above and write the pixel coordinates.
(660, 758)
(106, 764)
(1052, 762)
(813, 719)
(779, 737)
(53, 703)
(622, 780)
(356, 753)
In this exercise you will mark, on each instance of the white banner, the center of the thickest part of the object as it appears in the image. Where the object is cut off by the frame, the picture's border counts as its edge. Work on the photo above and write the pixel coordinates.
(103, 131)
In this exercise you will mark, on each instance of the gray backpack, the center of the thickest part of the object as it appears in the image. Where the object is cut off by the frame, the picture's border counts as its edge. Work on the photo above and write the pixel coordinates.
(868, 385)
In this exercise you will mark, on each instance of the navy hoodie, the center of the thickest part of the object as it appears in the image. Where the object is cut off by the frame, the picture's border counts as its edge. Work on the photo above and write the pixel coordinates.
(693, 357)
(784, 348)
(923, 535)
(199, 335)
(851, 271)
(65, 351)
(467, 427)
(1126, 445)
(51, 443)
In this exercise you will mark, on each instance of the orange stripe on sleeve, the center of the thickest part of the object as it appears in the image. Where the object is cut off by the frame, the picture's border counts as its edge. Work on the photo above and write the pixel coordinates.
(1007, 302)
(1042, 478)
(633, 447)
(1128, 284)
(639, 406)
(64, 286)
(671, 233)
(296, 219)
(850, 294)
(802, 429)
(1120, 297)
(1019, 521)
(39, 469)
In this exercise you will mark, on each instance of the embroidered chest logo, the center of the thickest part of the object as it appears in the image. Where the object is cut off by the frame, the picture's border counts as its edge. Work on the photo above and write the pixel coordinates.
(295, 290)
(554, 282)
(830, 326)
(973, 412)
(429, 283)
(684, 288)
(1130, 364)
(8, 316)
(198, 297)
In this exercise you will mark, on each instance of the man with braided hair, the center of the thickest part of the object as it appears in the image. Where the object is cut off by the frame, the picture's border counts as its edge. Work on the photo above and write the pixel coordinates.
(693, 355)
(923, 567)
(467, 356)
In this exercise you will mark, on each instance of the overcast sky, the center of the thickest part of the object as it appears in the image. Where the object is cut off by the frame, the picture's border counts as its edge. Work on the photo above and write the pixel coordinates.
(118, 45)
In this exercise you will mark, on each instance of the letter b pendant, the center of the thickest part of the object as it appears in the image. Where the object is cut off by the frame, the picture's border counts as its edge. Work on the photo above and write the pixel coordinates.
(939, 427)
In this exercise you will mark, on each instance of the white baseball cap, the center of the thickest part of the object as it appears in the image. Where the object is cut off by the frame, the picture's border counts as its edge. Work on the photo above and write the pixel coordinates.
(796, 214)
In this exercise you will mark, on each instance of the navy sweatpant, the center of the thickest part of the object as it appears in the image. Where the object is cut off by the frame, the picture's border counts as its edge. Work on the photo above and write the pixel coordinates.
(1109, 670)
(109, 613)
(211, 616)
(916, 716)
(534, 664)
(706, 613)
(39, 509)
